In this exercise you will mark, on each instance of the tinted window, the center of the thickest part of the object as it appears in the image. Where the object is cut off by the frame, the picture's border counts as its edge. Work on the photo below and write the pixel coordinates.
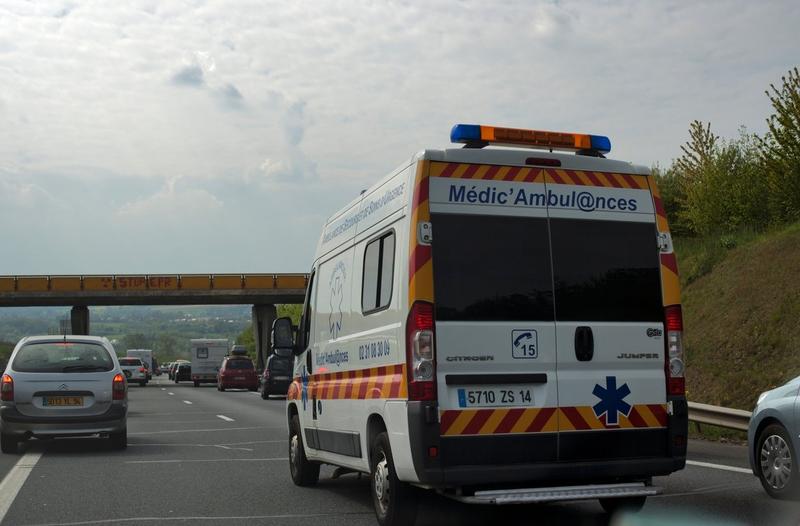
(66, 357)
(378, 273)
(491, 268)
(606, 271)
(239, 364)
(279, 366)
(130, 361)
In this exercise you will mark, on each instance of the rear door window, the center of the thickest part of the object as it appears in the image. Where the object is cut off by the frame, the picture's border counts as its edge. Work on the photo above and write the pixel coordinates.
(280, 366)
(239, 364)
(605, 271)
(491, 268)
(130, 362)
(62, 357)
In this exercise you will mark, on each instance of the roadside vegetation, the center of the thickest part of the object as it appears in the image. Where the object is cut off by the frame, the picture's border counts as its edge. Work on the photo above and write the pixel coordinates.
(734, 210)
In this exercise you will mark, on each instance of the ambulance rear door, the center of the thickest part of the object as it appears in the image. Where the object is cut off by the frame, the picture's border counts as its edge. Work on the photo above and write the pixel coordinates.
(608, 316)
(495, 329)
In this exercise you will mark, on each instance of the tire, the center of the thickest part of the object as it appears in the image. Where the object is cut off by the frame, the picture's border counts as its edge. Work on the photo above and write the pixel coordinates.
(625, 504)
(8, 444)
(221, 388)
(197, 384)
(303, 471)
(119, 441)
(264, 393)
(776, 463)
(142, 383)
(394, 501)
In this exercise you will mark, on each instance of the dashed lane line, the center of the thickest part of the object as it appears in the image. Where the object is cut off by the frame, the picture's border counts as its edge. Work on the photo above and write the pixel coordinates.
(719, 466)
(213, 519)
(227, 429)
(187, 402)
(13, 481)
(226, 418)
(171, 393)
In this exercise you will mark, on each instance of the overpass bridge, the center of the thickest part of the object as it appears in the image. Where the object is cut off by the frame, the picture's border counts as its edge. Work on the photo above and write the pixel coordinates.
(263, 291)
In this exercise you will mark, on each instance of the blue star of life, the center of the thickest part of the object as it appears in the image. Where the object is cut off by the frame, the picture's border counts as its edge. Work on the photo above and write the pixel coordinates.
(612, 401)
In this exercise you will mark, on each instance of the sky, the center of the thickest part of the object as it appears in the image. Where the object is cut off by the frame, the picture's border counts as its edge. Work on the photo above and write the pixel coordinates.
(194, 137)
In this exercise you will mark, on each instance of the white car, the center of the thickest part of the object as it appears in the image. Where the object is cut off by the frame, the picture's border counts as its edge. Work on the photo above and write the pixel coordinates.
(58, 386)
(134, 370)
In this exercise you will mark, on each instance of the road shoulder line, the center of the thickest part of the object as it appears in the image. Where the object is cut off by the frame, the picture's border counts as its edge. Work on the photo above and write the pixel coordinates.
(719, 466)
(15, 479)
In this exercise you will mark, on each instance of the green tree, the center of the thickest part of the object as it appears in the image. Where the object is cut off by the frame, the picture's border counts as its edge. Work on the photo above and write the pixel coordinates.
(780, 148)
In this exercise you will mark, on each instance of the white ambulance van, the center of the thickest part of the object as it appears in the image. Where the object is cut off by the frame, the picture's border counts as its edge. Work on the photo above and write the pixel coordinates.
(498, 324)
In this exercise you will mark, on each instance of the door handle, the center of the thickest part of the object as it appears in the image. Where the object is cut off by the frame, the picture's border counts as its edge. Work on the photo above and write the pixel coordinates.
(584, 344)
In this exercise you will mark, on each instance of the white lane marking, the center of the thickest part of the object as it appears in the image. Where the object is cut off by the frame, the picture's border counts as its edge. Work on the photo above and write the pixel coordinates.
(210, 445)
(246, 518)
(226, 418)
(163, 388)
(229, 448)
(187, 402)
(205, 430)
(171, 394)
(719, 466)
(181, 461)
(13, 481)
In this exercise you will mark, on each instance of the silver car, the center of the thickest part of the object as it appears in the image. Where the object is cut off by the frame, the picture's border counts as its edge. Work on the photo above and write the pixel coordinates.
(134, 370)
(773, 440)
(63, 386)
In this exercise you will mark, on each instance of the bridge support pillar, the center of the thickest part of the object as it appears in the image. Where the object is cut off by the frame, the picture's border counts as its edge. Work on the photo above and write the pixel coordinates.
(79, 316)
(263, 316)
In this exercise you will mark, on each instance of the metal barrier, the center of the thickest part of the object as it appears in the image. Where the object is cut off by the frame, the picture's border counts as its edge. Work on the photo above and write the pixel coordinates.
(719, 416)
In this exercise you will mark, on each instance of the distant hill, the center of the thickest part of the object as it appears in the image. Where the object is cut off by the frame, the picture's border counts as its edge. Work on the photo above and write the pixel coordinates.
(741, 316)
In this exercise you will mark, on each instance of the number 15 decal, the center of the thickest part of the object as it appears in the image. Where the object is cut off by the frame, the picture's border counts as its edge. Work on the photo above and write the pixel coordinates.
(524, 343)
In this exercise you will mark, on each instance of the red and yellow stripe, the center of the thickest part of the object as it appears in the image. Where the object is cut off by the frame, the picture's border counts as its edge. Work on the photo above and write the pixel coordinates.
(387, 382)
(420, 264)
(545, 420)
(534, 174)
(670, 280)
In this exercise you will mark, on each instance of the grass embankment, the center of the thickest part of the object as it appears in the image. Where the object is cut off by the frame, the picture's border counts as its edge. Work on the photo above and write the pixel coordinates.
(741, 307)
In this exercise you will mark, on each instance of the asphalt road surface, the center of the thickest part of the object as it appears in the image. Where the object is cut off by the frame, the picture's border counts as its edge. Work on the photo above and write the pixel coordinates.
(201, 456)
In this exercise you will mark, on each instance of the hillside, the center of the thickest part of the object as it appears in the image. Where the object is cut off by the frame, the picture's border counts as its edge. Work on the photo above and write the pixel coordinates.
(741, 316)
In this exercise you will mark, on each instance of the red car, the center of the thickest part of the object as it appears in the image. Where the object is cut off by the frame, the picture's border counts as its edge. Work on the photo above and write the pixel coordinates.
(237, 372)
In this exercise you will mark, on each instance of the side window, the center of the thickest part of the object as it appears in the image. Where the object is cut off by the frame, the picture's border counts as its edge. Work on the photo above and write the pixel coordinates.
(378, 274)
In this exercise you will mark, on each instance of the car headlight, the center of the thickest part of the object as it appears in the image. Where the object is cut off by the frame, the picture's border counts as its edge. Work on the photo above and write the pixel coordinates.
(761, 397)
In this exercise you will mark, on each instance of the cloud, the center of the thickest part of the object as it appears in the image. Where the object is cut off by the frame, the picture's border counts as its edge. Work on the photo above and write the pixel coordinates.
(177, 199)
(191, 75)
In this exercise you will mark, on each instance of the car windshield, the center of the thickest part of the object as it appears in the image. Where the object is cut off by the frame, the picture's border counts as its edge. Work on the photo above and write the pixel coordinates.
(130, 361)
(58, 357)
(239, 364)
(279, 366)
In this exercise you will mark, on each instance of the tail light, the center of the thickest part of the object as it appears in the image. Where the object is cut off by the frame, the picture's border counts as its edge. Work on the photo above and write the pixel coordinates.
(266, 374)
(674, 361)
(7, 389)
(118, 387)
(142, 369)
(420, 357)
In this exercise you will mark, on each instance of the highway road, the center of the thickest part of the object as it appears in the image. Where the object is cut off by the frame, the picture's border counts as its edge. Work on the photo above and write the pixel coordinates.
(221, 458)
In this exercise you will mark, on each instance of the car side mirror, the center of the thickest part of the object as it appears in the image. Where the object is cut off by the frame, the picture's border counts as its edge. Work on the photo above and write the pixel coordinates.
(282, 336)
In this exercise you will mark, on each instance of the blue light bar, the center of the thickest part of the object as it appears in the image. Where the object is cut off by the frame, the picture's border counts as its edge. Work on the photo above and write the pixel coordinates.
(474, 135)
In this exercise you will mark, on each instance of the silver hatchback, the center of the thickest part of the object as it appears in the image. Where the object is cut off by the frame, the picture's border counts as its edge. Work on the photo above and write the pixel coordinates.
(57, 386)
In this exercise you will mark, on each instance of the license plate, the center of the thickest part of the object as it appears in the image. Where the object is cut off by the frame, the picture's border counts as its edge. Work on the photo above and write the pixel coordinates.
(281, 378)
(240, 378)
(61, 401)
(496, 397)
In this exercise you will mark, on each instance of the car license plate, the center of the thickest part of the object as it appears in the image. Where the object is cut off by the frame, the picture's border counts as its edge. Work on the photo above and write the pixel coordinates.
(496, 397)
(281, 378)
(61, 401)
(239, 378)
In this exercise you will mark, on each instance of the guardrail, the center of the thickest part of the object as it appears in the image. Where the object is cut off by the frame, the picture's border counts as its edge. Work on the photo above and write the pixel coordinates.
(719, 416)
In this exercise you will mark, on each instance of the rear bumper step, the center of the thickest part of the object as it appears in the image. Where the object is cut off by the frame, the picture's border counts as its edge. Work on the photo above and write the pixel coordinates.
(558, 493)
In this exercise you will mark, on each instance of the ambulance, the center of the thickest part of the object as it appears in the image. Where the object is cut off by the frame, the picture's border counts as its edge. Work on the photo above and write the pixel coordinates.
(499, 323)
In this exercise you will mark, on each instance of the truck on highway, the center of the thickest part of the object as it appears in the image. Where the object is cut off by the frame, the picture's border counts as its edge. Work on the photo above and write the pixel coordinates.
(146, 356)
(207, 355)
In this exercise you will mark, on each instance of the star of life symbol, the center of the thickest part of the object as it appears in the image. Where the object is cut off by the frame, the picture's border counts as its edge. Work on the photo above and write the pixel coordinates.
(612, 401)
(304, 379)
(336, 316)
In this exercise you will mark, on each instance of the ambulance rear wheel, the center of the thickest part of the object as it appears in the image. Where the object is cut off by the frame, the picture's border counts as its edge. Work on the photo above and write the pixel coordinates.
(627, 504)
(395, 504)
(304, 472)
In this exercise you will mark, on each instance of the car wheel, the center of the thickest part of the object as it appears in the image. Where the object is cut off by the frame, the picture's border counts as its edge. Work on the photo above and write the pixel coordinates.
(221, 388)
(264, 393)
(625, 504)
(142, 383)
(197, 384)
(304, 472)
(119, 440)
(394, 501)
(8, 444)
(776, 463)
